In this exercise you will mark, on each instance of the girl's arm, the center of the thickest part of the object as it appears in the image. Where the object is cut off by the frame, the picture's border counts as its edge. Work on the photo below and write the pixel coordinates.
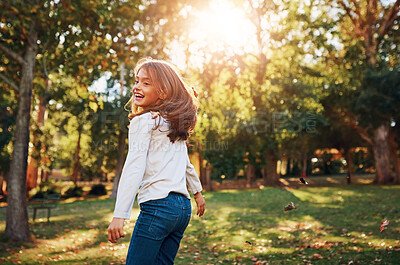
(192, 178)
(195, 187)
(135, 164)
(132, 173)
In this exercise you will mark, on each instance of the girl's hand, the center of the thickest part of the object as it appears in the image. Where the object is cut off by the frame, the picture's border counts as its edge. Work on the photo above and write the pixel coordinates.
(201, 203)
(115, 229)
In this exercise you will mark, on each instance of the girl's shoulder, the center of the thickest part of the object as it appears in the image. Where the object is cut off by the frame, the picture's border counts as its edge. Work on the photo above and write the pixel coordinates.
(141, 117)
(151, 119)
(148, 115)
(140, 122)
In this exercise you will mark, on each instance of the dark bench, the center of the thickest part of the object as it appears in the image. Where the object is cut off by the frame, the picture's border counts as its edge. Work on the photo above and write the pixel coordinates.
(48, 202)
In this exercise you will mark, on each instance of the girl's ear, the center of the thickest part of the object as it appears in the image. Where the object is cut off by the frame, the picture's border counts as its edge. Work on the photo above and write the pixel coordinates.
(163, 96)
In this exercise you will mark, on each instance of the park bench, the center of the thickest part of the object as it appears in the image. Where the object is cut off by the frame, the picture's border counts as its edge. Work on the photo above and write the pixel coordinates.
(48, 202)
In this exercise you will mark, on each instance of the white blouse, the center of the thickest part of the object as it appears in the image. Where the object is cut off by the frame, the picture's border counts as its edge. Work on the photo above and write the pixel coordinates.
(153, 164)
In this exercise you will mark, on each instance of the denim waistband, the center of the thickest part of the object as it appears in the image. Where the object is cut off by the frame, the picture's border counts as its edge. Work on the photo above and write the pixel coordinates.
(173, 198)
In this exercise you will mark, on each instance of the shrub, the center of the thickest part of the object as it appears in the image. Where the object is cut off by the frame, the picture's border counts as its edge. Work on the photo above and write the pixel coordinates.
(98, 189)
(74, 191)
(44, 189)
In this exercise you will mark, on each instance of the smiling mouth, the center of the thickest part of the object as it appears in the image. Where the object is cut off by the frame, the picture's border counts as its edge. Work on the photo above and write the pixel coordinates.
(139, 97)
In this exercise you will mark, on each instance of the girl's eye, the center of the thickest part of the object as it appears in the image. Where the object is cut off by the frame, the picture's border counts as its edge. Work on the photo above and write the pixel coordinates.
(147, 84)
(136, 82)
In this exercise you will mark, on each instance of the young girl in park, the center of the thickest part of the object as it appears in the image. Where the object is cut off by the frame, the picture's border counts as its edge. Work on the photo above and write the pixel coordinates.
(163, 112)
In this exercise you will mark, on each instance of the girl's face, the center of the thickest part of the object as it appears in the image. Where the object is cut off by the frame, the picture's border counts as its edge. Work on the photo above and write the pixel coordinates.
(145, 94)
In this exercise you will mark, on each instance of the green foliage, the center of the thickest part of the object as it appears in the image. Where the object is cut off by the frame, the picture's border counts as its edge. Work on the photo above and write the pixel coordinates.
(98, 189)
(73, 191)
(363, 161)
(293, 94)
(381, 90)
(46, 188)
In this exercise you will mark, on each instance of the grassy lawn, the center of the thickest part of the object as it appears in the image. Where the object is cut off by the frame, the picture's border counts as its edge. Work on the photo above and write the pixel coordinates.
(331, 225)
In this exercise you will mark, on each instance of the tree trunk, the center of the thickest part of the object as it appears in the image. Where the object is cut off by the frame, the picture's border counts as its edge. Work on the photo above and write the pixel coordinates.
(304, 164)
(271, 177)
(1, 186)
(349, 160)
(381, 149)
(17, 227)
(45, 175)
(289, 167)
(121, 140)
(77, 164)
(250, 175)
(236, 176)
(202, 170)
(33, 167)
(395, 158)
(120, 162)
(208, 177)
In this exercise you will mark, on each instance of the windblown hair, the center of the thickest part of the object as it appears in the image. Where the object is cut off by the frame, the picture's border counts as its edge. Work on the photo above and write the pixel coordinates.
(179, 103)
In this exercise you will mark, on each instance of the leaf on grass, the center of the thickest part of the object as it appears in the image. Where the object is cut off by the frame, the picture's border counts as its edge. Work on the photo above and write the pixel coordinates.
(317, 256)
(383, 224)
(248, 242)
(290, 206)
(303, 181)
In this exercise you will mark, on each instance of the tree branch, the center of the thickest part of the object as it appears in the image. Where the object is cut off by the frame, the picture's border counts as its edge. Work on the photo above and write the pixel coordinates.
(8, 81)
(351, 122)
(361, 132)
(388, 18)
(46, 73)
(372, 11)
(357, 11)
(352, 18)
(12, 54)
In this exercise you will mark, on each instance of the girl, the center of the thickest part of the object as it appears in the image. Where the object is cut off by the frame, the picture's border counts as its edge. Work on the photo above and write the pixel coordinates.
(163, 117)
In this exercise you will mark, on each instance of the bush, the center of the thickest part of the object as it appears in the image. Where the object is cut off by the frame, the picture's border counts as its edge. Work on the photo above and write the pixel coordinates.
(98, 189)
(73, 191)
(44, 189)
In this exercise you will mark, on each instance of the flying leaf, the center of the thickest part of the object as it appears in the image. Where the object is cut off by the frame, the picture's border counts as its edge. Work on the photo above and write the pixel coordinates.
(303, 181)
(290, 206)
(383, 224)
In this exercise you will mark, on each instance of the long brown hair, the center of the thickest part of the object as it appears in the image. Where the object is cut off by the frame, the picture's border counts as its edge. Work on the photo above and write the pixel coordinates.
(179, 103)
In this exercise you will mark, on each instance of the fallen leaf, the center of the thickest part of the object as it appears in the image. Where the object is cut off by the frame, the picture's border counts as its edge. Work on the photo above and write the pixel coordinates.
(317, 256)
(383, 224)
(290, 206)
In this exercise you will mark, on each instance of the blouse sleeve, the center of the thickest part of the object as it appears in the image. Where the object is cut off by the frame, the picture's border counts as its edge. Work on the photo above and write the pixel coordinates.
(192, 178)
(139, 136)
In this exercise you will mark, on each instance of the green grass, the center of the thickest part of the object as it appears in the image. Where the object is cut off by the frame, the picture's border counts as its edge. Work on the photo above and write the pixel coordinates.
(331, 225)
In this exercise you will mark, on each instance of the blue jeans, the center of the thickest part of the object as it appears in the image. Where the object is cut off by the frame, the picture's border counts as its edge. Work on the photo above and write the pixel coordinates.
(159, 230)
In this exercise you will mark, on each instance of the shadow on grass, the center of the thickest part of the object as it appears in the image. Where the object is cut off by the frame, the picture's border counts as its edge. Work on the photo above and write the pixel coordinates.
(330, 225)
(334, 225)
(76, 229)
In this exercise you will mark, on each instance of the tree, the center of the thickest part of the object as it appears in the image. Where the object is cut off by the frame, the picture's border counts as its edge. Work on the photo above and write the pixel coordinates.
(28, 27)
(369, 33)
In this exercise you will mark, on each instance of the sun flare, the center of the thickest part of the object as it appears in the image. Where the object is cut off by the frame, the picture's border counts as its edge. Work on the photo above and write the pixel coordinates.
(223, 26)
